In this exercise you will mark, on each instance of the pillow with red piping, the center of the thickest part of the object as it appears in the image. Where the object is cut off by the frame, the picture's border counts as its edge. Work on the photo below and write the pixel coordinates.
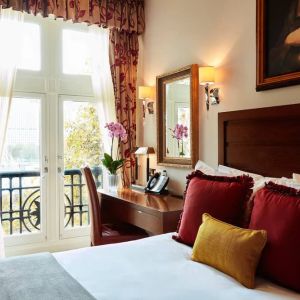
(276, 209)
(205, 168)
(224, 198)
(236, 172)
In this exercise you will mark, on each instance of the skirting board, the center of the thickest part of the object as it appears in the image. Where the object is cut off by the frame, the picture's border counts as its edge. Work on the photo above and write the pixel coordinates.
(55, 246)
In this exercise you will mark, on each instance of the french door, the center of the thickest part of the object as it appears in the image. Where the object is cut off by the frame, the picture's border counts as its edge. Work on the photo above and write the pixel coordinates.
(51, 134)
(79, 144)
(24, 171)
(40, 178)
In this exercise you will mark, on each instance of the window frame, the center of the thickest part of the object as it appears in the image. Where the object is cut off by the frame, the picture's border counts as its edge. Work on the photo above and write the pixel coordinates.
(31, 21)
(41, 236)
(65, 233)
(79, 27)
(37, 20)
(52, 85)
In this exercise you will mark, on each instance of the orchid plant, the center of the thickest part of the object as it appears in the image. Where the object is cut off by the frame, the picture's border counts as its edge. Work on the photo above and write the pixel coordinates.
(179, 133)
(116, 131)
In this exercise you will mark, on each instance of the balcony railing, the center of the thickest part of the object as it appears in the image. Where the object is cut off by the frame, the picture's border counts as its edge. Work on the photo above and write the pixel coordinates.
(20, 199)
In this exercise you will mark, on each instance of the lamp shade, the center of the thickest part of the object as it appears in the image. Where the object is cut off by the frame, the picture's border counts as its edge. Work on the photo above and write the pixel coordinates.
(144, 151)
(145, 92)
(206, 75)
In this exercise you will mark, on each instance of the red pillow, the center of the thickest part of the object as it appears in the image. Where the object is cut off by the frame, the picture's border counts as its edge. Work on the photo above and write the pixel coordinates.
(277, 210)
(224, 198)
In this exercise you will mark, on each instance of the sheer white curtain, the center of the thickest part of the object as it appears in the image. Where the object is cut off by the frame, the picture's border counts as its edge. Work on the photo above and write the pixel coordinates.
(102, 81)
(101, 75)
(10, 30)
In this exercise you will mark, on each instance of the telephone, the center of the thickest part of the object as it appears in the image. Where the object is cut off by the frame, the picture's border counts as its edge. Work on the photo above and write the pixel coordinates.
(157, 183)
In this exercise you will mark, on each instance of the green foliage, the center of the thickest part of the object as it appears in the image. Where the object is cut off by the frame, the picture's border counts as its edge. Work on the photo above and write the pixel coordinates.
(83, 139)
(83, 145)
(112, 165)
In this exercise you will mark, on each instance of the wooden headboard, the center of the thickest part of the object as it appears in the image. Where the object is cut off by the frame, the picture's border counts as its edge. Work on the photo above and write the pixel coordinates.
(264, 141)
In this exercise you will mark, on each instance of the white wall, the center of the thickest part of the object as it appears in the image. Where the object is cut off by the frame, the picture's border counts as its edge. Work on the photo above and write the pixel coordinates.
(208, 32)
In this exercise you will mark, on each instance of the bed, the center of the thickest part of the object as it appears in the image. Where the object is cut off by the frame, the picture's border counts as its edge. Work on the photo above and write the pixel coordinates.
(159, 267)
(156, 268)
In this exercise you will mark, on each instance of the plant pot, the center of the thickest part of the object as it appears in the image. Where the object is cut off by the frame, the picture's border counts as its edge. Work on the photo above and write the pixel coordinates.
(113, 182)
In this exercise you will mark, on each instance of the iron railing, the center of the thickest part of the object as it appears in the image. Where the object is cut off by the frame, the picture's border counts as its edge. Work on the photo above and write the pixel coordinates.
(20, 199)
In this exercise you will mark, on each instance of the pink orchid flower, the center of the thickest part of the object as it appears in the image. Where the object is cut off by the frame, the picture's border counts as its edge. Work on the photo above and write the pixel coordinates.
(116, 130)
(179, 132)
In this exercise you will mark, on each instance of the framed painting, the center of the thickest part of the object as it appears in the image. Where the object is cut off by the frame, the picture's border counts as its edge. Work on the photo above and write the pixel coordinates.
(278, 43)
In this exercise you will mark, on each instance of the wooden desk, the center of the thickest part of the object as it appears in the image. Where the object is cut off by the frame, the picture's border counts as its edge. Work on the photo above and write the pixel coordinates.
(156, 214)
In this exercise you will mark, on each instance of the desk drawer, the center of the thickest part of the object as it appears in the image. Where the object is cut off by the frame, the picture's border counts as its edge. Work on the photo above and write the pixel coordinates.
(131, 215)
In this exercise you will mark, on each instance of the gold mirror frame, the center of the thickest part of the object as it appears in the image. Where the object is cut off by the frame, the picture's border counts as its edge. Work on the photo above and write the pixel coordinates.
(193, 72)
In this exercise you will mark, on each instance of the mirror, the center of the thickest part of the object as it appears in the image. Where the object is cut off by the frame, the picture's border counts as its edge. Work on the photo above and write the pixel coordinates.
(178, 121)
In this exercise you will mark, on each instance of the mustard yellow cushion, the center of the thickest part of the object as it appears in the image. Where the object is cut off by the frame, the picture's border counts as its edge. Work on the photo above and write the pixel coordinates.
(230, 249)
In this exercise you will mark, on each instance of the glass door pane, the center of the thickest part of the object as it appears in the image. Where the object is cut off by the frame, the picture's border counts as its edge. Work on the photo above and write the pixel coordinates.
(20, 169)
(81, 146)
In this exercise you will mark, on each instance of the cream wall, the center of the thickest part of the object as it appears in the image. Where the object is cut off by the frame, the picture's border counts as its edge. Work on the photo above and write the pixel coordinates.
(208, 32)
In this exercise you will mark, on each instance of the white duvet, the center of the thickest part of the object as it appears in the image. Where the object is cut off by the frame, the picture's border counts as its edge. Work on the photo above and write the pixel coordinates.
(157, 268)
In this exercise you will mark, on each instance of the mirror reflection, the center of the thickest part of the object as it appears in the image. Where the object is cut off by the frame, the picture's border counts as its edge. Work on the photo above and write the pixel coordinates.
(178, 117)
(177, 99)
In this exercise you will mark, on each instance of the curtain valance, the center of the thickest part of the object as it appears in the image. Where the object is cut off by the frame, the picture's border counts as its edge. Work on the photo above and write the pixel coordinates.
(124, 15)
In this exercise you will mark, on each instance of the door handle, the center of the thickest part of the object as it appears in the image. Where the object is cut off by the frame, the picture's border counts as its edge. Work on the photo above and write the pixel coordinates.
(45, 171)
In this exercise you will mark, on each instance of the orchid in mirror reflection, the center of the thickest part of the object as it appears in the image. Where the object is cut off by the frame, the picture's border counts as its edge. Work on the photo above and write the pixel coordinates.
(179, 133)
(116, 131)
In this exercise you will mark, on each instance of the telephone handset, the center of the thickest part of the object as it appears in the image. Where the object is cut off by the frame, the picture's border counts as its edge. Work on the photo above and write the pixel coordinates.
(157, 183)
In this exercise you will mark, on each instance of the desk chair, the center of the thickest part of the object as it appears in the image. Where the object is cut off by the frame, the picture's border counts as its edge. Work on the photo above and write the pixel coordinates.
(102, 234)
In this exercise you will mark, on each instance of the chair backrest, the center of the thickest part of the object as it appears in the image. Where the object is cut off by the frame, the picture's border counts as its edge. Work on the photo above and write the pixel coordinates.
(94, 205)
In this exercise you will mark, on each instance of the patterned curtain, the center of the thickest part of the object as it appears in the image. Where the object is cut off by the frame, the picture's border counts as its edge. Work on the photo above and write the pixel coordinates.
(123, 54)
(125, 15)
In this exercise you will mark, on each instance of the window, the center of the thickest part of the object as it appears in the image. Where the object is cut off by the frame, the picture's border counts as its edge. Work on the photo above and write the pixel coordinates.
(26, 50)
(20, 169)
(76, 53)
(82, 145)
(53, 130)
(22, 144)
(31, 47)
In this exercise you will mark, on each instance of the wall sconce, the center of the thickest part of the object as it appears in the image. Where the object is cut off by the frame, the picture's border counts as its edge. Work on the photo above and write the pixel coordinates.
(146, 93)
(207, 78)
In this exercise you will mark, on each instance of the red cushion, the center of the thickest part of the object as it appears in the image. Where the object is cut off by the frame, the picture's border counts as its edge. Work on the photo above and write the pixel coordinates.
(224, 198)
(277, 210)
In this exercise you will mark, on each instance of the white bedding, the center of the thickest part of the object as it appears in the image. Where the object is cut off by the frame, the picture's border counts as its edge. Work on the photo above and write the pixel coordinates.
(156, 268)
